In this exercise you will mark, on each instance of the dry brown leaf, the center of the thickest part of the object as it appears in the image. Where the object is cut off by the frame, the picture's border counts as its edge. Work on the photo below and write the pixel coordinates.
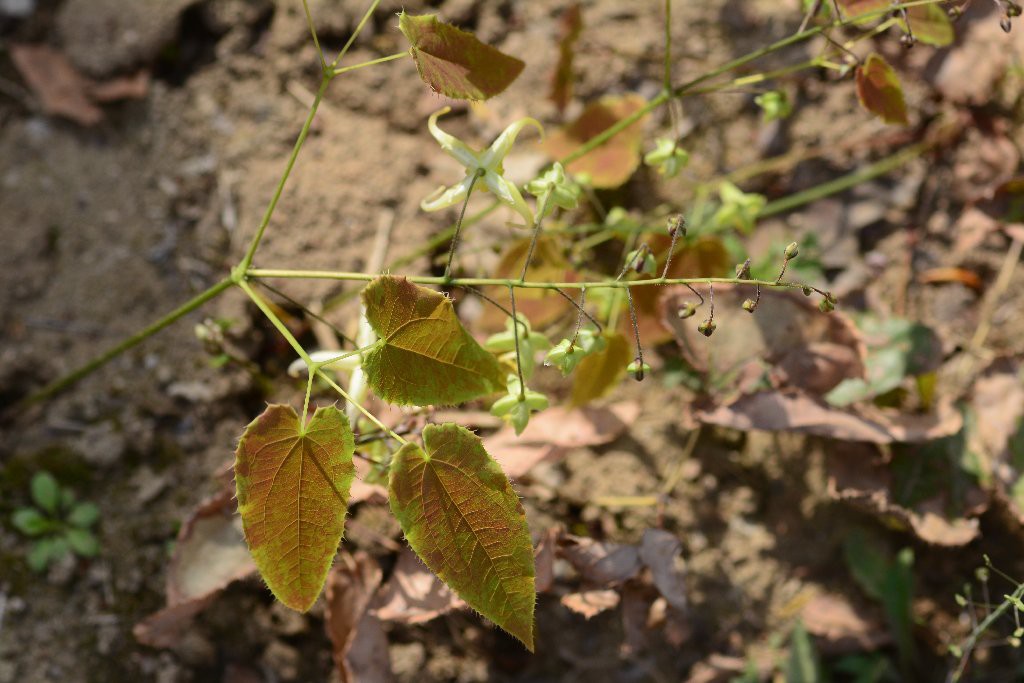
(52, 78)
(841, 627)
(553, 432)
(544, 560)
(857, 475)
(967, 278)
(355, 635)
(794, 411)
(591, 603)
(600, 564)
(209, 554)
(807, 348)
(413, 594)
(134, 87)
(660, 551)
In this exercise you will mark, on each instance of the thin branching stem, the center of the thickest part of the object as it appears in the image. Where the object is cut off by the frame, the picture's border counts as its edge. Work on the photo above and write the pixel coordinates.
(515, 337)
(580, 309)
(305, 309)
(636, 334)
(316, 41)
(458, 224)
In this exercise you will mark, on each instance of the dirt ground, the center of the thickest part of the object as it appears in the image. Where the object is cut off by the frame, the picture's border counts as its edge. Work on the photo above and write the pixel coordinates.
(105, 227)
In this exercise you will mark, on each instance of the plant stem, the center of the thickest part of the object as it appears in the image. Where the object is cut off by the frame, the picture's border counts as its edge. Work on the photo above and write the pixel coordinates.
(370, 416)
(276, 322)
(99, 361)
(690, 87)
(518, 284)
(381, 60)
(303, 134)
(355, 34)
(316, 41)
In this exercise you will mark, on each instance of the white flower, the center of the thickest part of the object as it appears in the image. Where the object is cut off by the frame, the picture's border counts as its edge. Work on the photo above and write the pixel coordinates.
(483, 169)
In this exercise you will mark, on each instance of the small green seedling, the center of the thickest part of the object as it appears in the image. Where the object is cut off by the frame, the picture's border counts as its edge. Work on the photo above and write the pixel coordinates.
(58, 523)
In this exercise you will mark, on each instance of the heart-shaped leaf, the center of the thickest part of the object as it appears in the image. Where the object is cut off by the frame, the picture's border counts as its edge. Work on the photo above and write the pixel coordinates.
(425, 356)
(611, 164)
(879, 90)
(292, 485)
(455, 63)
(930, 24)
(461, 516)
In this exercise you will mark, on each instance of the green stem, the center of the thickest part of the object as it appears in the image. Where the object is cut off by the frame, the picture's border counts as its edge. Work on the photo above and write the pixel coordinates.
(319, 51)
(303, 134)
(507, 282)
(352, 38)
(99, 361)
(370, 416)
(276, 322)
(397, 55)
(845, 182)
(689, 88)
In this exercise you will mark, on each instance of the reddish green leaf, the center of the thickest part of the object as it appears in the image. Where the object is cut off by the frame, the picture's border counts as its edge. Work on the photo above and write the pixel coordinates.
(599, 372)
(855, 8)
(561, 80)
(461, 516)
(879, 90)
(292, 487)
(454, 62)
(930, 24)
(611, 164)
(425, 356)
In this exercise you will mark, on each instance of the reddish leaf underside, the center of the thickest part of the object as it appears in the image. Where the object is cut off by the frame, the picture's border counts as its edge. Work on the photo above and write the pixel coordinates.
(462, 517)
(879, 90)
(425, 356)
(599, 372)
(292, 488)
(455, 63)
(611, 164)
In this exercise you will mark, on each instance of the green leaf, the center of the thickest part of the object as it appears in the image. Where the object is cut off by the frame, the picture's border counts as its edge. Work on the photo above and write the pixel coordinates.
(930, 24)
(84, 515)
(30, 522)
(461, 516)
(424, 356)
(46, 550)
(802, 666)
(46, 492)
(599, 372)
(879, 90)
(292, 489)
(455, 63)
(83, 542)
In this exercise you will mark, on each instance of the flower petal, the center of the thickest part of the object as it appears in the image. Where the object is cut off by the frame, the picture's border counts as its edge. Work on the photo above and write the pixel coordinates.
(507, 192)
(444, 198)
(493, 155)
(451, 144)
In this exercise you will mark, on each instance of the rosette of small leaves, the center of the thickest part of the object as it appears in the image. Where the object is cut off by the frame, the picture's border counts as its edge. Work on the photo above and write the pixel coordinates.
(568, 353)
(58, 523)
(668, 157)
(739, 209)
(517, 406)
(530, 343)
(774, 105)
(559, 189)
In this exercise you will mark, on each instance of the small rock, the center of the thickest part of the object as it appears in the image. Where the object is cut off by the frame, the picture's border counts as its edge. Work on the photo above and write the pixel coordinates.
(101, 445)
(19, 9)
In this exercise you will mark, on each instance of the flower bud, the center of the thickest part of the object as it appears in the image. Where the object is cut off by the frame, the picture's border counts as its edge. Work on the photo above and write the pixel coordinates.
(686, 311)
(792, 251)
(749, 305)
(808, 291)
(707, 328)
(827, 305)
(677, 225)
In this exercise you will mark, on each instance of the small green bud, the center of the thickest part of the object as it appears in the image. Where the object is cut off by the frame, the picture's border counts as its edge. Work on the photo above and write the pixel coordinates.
(749, 305)
(960, 600)
(792, 251)
(687, 310)
(981, 573)
(955, 650)
(638, 369)
(707, 328)
(808, 291)
(677, 225)
(743, 270)
(826, 305)
(668, 156)
(1014, 642)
